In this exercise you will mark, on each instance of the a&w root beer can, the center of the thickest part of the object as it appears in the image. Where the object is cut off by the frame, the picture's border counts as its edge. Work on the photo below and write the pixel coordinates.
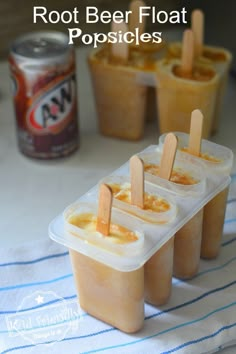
(42, 66)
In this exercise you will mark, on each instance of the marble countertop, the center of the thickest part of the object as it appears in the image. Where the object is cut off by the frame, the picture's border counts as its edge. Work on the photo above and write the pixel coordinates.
(34, 192)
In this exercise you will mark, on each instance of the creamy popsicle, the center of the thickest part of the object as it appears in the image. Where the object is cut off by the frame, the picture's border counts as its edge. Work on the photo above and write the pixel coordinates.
(154, 207)
(187, 243)
(217, 58)
(218, 160)
(157, 282)
(213, 223)
(187, 248)
(158, 275)
(159, 269)
(157, 208)
(178, 175)
(220, 59)
(179, 95)
(214, 214)
(120, 99)
(112, 296)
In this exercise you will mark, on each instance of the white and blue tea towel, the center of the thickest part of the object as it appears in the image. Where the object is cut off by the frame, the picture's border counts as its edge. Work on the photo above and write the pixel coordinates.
(39, 312)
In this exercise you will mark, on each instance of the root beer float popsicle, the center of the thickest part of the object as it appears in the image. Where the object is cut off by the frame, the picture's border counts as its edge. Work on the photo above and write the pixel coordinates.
(120, 99)
(219, 160)
(218, 58)
(183, 86)
(152, 206)
(140, 199)
(187, 243)
(159, 268)
(188, 239)
(108, 294)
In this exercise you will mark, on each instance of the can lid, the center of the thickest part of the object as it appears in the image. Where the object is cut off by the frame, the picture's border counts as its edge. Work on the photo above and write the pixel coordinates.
(41, 44)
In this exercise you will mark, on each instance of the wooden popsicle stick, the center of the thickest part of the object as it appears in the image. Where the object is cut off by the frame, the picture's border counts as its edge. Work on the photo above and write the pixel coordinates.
(168, 156)
(104, 210)
(195, 135)
(187, 53)
(120, 50)
(134, 16)
(197, 25)
(137, 181)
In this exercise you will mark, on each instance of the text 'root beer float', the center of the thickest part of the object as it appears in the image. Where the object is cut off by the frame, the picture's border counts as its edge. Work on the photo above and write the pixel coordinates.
(43, 70)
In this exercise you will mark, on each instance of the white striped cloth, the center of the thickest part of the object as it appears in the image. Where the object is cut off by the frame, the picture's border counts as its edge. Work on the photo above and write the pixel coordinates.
(39, 312)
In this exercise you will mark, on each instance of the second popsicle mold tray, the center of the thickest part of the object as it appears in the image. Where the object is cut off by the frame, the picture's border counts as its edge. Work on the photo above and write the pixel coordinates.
(184, 201)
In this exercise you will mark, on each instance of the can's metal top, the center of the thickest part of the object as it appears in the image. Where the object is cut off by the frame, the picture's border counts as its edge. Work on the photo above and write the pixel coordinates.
(41, 45)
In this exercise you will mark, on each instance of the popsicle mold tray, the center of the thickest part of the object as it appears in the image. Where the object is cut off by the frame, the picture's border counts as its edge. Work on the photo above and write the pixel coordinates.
(185, 202)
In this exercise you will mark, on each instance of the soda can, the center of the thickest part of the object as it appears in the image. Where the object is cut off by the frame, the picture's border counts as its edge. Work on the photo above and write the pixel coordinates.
(42, 66)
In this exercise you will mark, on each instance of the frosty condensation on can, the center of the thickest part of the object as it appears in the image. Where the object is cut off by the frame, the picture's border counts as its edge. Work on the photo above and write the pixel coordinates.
(42, 66)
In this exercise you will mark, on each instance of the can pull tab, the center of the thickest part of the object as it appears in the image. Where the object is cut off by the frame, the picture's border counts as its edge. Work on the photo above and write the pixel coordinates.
(39, 45)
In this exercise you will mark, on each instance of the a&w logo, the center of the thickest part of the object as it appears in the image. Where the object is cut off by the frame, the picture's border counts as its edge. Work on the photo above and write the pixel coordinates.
(52, 110)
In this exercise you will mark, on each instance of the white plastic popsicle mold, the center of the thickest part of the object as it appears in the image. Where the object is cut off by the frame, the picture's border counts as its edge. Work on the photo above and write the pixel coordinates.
(97, 238)
(222, 153)
(145, 215)
(183, 164)
(187, 200)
